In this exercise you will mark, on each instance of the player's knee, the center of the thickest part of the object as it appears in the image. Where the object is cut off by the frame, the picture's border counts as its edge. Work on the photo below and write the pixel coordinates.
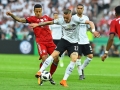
(56, 60)
(90, 56)
(79, 57)
(74, 56)
(44, 57)
(55, 54)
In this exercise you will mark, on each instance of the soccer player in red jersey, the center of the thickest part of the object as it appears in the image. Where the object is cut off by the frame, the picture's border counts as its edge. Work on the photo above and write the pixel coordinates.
(42, 35)
(114, 30)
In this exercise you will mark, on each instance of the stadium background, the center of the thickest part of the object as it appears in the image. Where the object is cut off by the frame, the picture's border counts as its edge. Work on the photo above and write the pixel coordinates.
(17, 69)
(99, 11)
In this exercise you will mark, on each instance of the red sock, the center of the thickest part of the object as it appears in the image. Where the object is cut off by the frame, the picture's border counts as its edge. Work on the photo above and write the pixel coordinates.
(41, 64)
(53, 68)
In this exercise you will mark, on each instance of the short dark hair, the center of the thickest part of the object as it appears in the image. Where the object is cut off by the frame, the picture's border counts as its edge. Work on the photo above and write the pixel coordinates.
(80, 5)
(117, 10)
(67, 11)
(37, 6)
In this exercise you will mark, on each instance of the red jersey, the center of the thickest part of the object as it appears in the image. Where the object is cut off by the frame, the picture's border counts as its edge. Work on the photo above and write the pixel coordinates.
(115, 26)
(42, 33)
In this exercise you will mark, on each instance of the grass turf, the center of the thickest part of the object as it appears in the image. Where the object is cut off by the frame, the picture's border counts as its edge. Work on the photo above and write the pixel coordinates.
(17, 73)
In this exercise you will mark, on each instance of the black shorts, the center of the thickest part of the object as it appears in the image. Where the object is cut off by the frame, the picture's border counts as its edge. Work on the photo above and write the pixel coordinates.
(65, 45)
(85, 49)
(55, 41)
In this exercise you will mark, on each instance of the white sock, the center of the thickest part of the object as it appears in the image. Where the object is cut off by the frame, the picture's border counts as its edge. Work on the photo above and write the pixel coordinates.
(47, 62)
(78, 64)
(86, 62)
(61, 60)
(69, 70)
(62, 56)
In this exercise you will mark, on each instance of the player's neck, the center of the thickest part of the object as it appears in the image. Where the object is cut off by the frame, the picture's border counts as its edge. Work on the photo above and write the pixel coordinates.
(79, 15)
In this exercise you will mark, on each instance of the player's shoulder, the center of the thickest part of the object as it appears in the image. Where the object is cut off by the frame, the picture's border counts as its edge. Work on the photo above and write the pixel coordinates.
(114, 20)
(85, 16)
(74, 16)
(45, 16)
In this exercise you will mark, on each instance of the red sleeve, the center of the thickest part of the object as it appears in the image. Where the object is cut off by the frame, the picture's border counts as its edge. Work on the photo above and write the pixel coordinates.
(112, 27)
(29, 19)
(49, 18)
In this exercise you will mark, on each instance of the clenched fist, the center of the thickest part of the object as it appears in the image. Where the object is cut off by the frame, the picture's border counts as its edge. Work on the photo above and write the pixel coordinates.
(9, 13)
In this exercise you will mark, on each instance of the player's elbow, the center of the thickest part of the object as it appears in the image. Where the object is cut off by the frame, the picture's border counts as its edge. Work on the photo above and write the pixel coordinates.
(89, 22)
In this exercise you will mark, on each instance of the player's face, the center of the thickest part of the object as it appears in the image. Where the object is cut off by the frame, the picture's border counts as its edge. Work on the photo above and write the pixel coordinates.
(80, 9)
(67, 17)
(55, 16)
(38, 12)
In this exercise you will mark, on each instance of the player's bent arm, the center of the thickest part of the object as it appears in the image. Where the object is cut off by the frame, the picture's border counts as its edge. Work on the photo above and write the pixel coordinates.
(91, 25)
(46, 23)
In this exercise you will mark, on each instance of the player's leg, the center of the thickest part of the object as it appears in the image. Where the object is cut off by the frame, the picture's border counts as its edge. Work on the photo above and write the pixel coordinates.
(42, 52)
(78, 62)
(50, 48)
(46, 63)
(73, 53)
(89, 53)
(43, 56)
(50, 59)
(61, 59)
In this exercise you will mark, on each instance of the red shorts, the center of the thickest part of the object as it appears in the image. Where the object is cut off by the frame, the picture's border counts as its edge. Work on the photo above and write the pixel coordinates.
(45, 48)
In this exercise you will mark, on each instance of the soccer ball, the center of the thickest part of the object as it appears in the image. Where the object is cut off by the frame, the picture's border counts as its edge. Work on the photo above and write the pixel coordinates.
(45, 76)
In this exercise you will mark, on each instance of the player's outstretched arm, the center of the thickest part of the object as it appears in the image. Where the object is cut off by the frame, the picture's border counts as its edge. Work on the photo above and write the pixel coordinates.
(109, 44)
(33, 25)
(23, 20)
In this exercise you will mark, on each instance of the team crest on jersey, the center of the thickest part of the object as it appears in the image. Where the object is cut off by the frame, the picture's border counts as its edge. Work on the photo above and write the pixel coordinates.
(45, 19)
(41, 20)
(70, 27)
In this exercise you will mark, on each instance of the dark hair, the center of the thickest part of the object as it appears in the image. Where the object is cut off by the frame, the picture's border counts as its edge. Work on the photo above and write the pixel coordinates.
(80, 5)
(67, 11)
(117, 10)
(37, 6)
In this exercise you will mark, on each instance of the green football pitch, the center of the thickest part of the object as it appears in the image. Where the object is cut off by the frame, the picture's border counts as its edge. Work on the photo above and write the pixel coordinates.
(17, 73)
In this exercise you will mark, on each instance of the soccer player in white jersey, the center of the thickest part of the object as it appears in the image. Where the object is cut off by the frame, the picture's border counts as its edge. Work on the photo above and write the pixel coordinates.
(83, 42)
(68, 42)
(56, 31)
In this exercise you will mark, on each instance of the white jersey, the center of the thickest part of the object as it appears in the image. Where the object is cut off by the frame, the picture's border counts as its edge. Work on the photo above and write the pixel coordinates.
(83, 38)
(56, 31)
(70, 32)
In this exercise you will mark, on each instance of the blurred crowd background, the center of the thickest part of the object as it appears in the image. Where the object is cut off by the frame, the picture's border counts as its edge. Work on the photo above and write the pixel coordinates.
(12, 30)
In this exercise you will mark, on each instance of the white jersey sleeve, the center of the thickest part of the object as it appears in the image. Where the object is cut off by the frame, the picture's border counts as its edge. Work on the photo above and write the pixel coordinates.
(56, 31)
(78, 19)
(58, 21)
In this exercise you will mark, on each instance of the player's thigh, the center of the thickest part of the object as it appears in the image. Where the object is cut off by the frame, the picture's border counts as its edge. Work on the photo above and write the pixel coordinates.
(73, 47)
(42, 50)
(50, 47)
(56, 41)
(80, 50)
(87, 49)
(61, 46)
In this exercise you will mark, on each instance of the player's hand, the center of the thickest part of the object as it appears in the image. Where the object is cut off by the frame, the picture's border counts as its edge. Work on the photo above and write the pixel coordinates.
(33, 25)
(104, 57)
(8, 13)
(96, 34)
